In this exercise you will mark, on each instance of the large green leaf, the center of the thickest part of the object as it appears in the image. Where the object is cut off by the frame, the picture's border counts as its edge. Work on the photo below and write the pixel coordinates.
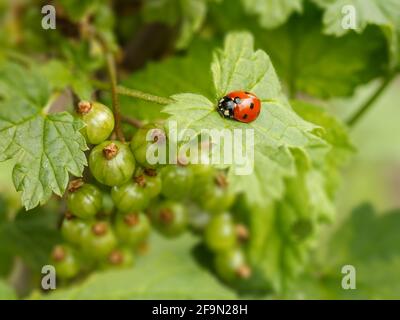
(308, 61)
(276, 130)
(368, 241)
(189, 15)
(187, 73)
(29, 236)
(167, 272)
(46, 147)
(286, 195)
(272, 13)
(385, 14)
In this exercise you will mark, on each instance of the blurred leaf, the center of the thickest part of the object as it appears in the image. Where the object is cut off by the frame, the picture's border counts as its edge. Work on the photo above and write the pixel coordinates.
(385, 14)
(369, 242)
(30, 236)
(6, 292)
(188, 73)
(46, 147)
(336, 134)
(308, 61)
(77, 10)
(188, 15)
(167, 271)
(272, 13)
(62, 76)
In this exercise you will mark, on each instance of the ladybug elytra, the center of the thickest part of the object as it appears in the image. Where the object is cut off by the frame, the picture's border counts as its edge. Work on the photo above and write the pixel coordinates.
(242, 106)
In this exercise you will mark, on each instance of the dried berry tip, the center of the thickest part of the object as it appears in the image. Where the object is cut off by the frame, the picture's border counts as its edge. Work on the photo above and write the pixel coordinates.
(221, 180)
(242, 232)
(140, 180)
(99, 228)
(58, 253)
(131, 219)
(69, 216)
(116, 258)
(244, 272)
(75, 185)
(110, 151)
(150, 172)
(166, 215)
(84, 107)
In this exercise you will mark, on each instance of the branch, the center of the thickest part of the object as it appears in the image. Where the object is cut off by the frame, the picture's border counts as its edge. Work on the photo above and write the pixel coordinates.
(134, 93)
(115, 100)
(370, 102)
(132, 121)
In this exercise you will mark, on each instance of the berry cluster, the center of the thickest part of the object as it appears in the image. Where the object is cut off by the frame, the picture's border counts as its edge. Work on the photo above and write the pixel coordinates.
(111, 214)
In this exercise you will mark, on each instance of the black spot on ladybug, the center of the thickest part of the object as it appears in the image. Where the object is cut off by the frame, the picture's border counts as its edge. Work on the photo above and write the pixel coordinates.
(237, 100)
(244, 116)
(251, 105)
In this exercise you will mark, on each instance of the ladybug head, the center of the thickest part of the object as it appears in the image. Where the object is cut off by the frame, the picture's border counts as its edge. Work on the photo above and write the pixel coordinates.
(225, 107)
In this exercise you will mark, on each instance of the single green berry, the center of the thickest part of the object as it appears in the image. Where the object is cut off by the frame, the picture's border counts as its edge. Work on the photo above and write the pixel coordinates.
(132, 228)
(65, 261)
(150, 181)
(84, 200)
(130, 197)
(177, 181)
(120, 258)
(99, 121)
(108, 204)
(72, 228)
(112, 163)
(170, 218)
(203, 175)
(217, 197)
(231, 265)
(198, 218)
(220, 233)
(99, 240)
(149, 144)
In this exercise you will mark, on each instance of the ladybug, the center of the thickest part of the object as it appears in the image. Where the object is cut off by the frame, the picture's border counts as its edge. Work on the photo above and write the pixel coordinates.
(242, 106)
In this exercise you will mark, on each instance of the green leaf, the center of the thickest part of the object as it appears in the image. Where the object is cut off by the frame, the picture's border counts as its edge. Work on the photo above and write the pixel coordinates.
(272, 13)
(162, 78)
(368, 241)
(385, 14)
(307, 61)
(62, 76)
(276, 130)
(336, 134)
(189, 15)
(30, 236)
(167, 271)
(46, 148)
(286, 196)
(6, 292)
(320, 65)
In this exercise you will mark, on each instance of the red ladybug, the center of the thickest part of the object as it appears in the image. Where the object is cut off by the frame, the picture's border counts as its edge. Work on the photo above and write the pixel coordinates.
(242, 106)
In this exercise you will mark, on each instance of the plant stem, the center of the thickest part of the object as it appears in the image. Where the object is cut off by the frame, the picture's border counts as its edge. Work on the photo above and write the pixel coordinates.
(132, 121)
(134, 93)
(115, 100)
(370, 102)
